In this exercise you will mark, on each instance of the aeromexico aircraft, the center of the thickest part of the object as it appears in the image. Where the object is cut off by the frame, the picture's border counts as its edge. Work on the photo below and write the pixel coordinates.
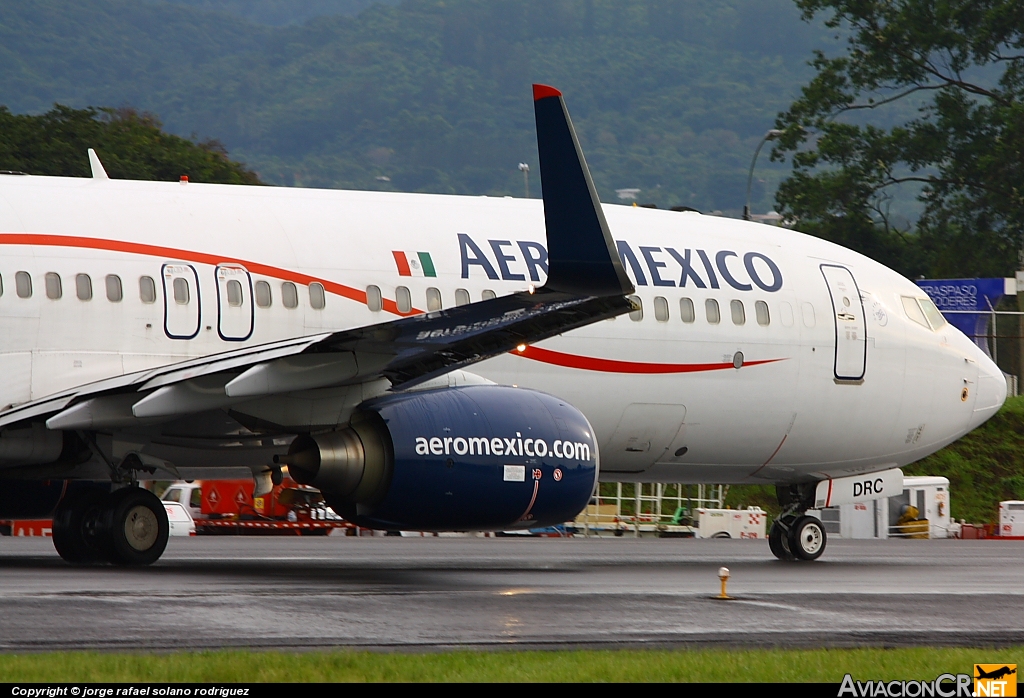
(449, 363)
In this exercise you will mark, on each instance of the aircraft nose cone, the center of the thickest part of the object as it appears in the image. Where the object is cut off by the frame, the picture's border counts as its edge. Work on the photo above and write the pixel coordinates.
(991, 391)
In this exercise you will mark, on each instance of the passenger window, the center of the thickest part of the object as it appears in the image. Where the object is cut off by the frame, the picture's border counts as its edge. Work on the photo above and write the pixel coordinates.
(761, 313)
(180, 291)
(488, 295)
(147, 289)
(686, 310)
(234, 293)
(638, 314)
(433, 299)
(403, 297)
(83, 287)
(660, 309)
(115, 294)
(787, 314)
(932, 313)
(289, 295)
(739, 313)
(712, 311)
(196, 498)
(807, 310)
(317, 297)
(23, 284)
(461, 296)
(53, 290)
(914, 311)
(374, 299)
(263, 295)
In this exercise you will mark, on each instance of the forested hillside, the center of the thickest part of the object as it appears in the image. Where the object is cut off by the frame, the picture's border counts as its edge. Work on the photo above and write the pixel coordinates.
(130, 146)
(279, 13)
(669, 96)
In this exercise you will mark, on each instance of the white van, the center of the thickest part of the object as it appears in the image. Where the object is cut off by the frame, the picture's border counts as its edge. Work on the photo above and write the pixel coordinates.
(179, 519)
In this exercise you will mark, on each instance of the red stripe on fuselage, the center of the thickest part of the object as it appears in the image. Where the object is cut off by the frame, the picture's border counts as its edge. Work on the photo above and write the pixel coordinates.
(589, 363)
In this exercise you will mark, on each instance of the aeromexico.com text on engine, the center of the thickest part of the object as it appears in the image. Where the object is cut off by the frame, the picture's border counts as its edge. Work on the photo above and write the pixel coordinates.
(499, 446)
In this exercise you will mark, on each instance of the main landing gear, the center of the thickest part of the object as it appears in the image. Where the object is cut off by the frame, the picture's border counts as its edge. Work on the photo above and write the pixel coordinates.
(794, 535)
(124, 527)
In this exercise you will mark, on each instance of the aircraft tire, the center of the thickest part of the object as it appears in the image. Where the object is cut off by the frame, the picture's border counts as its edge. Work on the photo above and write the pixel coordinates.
(74, 527)
(807, 538)
(778, 543)
(135, 527)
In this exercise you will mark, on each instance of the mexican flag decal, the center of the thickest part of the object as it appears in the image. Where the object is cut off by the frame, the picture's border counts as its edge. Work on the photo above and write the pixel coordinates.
(414, 263)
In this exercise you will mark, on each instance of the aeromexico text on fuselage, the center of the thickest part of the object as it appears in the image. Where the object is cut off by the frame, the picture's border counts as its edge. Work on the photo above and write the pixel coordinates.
(501, 446)
(665, 266)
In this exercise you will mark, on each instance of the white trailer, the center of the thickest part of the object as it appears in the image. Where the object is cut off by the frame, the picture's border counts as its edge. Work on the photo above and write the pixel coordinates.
(731, 523)
(1011, 518)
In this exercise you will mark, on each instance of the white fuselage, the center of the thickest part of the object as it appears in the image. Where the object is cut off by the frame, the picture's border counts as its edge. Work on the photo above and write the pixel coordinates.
(813, 397)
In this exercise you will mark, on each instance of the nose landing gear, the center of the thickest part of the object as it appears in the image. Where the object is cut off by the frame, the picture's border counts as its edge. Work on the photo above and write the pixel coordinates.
(778, 541)
(796, 536)
(125, 527)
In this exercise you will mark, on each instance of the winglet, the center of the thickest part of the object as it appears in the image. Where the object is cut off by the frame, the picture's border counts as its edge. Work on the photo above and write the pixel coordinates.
(97, 167)
(542, 91)
(582, 258)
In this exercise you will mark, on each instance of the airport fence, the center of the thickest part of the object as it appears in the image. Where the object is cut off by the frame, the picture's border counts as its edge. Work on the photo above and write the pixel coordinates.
(625, 507)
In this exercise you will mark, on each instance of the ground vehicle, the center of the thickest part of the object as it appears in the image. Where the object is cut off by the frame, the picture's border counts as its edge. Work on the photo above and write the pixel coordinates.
(731, 523)
(179, 519)
(228, 506)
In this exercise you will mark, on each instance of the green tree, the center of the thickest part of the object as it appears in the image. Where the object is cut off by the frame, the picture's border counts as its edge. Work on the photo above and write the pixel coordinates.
(130, 144)
(927, 94)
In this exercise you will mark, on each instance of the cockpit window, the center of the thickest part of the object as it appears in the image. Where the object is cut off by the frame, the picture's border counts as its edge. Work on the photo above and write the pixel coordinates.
(935, 318)
(914, 312)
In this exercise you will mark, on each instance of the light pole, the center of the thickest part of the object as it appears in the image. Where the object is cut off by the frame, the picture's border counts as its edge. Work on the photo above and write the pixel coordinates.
(770, 136)
(525, 169)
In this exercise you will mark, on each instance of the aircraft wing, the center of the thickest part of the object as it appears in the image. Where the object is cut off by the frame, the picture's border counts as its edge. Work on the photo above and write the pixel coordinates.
(586, 283)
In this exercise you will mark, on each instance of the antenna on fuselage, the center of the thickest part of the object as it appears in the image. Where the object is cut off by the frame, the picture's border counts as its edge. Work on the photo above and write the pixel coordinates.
(97, 167)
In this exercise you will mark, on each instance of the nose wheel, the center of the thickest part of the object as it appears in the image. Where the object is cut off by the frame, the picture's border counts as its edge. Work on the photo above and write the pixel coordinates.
(125, 527)
(778, 542)
(797, 538)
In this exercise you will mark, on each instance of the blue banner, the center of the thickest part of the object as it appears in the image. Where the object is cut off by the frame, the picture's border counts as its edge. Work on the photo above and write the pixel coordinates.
(966, 295)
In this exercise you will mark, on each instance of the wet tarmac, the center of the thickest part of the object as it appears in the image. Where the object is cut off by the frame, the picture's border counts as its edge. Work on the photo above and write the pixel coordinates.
(410, 593)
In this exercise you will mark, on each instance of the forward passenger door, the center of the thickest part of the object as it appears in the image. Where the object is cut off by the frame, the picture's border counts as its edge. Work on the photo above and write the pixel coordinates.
(182, 315)
(851, 327)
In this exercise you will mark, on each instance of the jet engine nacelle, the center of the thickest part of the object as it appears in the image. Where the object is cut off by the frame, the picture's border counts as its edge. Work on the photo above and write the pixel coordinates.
(31, 446)
(470, 458)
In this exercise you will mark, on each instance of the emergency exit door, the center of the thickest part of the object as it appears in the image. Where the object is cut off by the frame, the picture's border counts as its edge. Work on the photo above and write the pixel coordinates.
(851, 327)
(181, 301)
(234, 303)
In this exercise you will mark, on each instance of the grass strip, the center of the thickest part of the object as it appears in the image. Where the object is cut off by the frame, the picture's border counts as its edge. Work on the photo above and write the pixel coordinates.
(756, 665)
